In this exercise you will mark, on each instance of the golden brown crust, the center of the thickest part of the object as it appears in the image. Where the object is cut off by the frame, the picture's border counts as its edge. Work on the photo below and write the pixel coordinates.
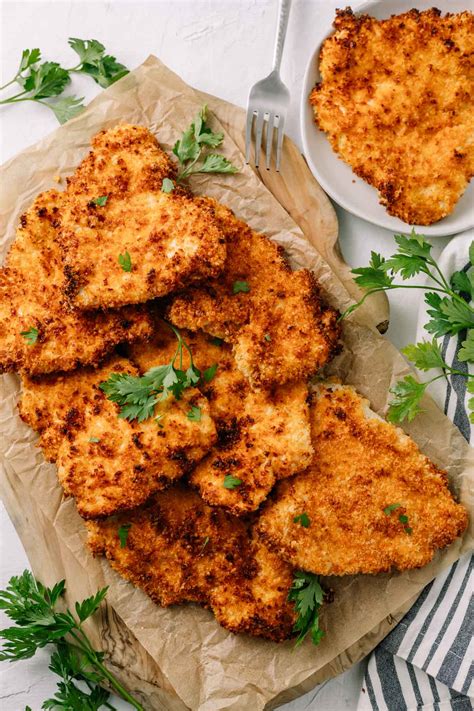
(31, 296)
(131, 460)
(396, 101)
(179, 549)
(172, 239)
(281, 330)
(361, 466)
(263, 435)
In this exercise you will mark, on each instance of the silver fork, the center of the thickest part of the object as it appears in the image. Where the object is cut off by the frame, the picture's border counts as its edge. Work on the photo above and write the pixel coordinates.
(268, 101)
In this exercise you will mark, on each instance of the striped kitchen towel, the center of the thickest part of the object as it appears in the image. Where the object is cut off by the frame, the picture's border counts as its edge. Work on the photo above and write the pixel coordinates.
(427, 661)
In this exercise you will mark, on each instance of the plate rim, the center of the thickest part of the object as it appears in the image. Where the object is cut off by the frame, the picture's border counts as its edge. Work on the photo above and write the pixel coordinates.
(434, 230)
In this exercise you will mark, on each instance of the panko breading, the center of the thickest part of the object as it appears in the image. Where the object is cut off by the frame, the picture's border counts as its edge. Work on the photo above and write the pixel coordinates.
(263, 435)
(396, 101)
(105, 462)
(280, 328)
(172, 239)
(179, 549)
(373, 500)
(31, 297)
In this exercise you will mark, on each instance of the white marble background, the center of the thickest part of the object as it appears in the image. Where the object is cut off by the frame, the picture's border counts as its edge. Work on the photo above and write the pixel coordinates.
(221, 47)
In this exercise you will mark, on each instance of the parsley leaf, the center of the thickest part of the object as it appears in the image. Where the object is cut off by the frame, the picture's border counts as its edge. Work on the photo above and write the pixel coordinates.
(470, 390)
(125, 262)
(307, 595)
(391, 507)
(240, 286)
(209, 373)
(267, 337)
(405, 405)
(100, 201)
(167, 186)
(231, 482)
(66, 108)
(49, 79)
(30, 336)
(403, 518)
(189, 149)
(303, 520)
(425, 355)
(34, 610)
(466, 352)
(94, 439)
(137, 396)
(215, 163)
(123, 534)
(217, 341)
(28, 58)
(194, 414)
(103, 68)
(462, 282)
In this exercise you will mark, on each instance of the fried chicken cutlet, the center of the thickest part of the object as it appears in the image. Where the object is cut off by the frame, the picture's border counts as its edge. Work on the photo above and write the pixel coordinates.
(262, 435)
(124, 240)
(39, 332)
(178, 549)
(279, 327)
(396, 101)
(370, 501)
(105, 462)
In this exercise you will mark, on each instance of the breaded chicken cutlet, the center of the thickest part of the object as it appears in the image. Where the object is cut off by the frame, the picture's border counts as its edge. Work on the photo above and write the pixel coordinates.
(39, 332)
(275, 319)
(105, 462)
(396, 101)
(371, 501)
(262, 435)
(124, 240)
(178, 549)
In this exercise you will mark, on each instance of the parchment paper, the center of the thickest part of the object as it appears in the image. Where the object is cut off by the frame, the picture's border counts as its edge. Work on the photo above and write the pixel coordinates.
(179, 657)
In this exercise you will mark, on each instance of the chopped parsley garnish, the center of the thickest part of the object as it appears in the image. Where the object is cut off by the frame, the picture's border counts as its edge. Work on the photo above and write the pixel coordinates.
(167, 186)
(123, 534)
(231, 482)
(194, 414)
(206, 541)
(240, 286)
(30, 336)
(307, 594)
(125, 262)
(101, 201)
(403, 519)
(267, 337)
(137, 396)
(388, 509)
(209, 373)
(217, 341)
(303, 520)
(94, 439)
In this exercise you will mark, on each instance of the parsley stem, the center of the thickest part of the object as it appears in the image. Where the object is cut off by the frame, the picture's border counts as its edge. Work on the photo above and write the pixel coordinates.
(352, 308)
(84, 644)
(9, 83)
(13, 98)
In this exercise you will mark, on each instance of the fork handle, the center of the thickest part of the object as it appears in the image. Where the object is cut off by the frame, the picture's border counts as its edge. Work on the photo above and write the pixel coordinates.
(283, 15)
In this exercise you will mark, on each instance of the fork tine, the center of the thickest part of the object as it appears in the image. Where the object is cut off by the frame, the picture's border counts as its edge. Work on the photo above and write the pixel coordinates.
(281, 127)
(248, 134)
(258, 136)
(268, 154)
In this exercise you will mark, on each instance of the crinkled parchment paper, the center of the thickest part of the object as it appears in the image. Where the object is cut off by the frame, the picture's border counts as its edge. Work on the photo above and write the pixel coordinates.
(180, 658)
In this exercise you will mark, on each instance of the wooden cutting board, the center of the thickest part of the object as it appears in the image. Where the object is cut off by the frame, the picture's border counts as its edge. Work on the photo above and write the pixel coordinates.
(298, 191)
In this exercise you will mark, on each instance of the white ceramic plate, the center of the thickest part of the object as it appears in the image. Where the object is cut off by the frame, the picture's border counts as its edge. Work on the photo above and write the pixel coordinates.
(336, 177)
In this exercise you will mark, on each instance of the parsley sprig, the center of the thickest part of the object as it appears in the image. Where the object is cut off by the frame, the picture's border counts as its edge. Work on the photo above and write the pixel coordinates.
(137, 396)
(308, 595)
(191, 151)
(46, 80)
(40, 619)
(450, 312)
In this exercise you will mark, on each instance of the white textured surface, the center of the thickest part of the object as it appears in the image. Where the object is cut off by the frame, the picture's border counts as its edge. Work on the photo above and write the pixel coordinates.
(219, 46)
